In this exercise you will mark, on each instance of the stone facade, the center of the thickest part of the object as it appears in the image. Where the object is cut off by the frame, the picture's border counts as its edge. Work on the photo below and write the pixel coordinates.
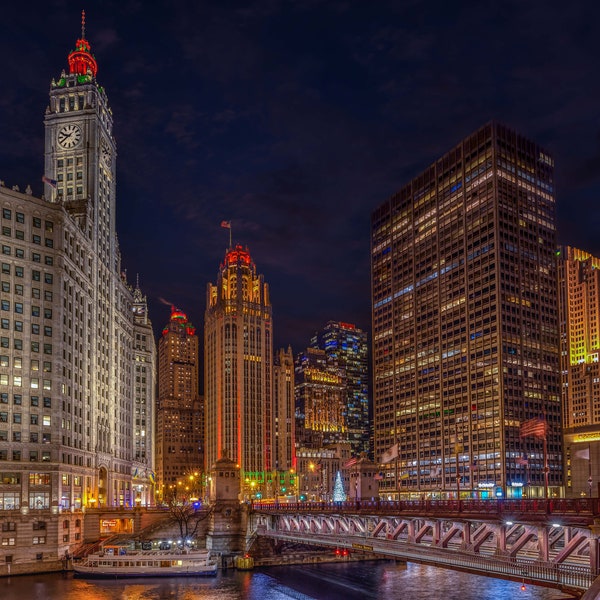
(76, 347)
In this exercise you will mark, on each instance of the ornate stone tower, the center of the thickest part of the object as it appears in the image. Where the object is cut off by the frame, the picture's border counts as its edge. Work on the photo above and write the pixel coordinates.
(228, 519)
(238, 348)
(97, 347)
(80, 149)
(76, 368)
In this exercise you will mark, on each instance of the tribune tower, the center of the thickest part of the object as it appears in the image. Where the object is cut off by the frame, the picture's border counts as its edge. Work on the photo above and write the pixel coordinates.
(238, 348)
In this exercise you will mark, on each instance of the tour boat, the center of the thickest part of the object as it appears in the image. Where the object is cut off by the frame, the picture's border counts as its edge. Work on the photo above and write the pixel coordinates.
(142, 563)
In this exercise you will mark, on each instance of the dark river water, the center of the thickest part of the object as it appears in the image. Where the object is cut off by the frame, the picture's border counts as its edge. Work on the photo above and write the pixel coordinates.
(346, 581)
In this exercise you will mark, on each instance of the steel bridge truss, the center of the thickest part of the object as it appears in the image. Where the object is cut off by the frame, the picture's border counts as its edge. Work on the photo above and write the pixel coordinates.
(566, 557)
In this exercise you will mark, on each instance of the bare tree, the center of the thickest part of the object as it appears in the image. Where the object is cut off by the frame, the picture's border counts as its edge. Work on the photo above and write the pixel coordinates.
(188, 515)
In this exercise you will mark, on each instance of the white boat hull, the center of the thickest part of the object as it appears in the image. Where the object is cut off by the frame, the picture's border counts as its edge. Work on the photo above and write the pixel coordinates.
(146, 565)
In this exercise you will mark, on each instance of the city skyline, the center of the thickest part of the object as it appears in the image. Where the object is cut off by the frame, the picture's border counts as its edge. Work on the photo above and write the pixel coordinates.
(295, 122)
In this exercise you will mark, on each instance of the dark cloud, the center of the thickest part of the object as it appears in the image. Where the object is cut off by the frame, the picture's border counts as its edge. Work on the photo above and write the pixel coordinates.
(295, 120)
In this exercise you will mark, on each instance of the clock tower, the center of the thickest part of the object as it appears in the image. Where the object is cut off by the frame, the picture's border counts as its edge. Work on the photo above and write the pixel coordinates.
(116, 334)
(80, 149)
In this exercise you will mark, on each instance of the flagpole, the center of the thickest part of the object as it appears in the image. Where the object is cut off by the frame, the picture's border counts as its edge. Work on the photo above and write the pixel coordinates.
(590, 480)
(457, 448)
(227, 225)
(546, 465)
(396, 467)
(456, 452)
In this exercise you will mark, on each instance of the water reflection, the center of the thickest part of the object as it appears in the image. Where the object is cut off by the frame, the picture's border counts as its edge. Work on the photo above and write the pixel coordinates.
(390, 581)
(349, 581)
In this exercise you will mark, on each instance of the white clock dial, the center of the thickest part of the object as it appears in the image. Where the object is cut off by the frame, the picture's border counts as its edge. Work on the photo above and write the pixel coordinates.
(69, 136)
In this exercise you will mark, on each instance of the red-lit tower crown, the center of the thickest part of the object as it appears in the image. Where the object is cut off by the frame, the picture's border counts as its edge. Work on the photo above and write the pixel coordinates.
(238, 255)
(81, 59)
(178, 323)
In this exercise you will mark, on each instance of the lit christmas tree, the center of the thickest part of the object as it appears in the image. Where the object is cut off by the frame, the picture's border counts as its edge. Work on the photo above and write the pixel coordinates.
(338, 489)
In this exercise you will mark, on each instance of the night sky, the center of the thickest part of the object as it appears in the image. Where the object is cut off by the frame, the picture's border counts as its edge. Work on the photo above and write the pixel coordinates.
(294, 120)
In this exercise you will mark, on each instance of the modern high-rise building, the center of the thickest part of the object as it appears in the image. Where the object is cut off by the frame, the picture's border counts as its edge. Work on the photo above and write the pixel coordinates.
(180, 418)
(284, 434)
(579, 303)
(320, 400)
(69, 400)
(345, 346)
(465, 324)
(238, 369)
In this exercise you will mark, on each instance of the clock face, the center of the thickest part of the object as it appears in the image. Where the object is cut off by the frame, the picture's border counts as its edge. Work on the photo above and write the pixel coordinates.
(69, 136)
(105, 150)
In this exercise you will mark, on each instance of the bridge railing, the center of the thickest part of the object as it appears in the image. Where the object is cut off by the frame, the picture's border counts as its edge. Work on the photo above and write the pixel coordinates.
(553, 506)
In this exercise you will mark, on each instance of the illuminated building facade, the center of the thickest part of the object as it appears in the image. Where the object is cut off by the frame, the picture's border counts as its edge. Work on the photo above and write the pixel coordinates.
(317, 470)
(320, 400)
(238, 363)
(465, 323)
(579, 303)
(144, 400)
(179, 424)
(68, 399)
(346, 347)
(284, 432)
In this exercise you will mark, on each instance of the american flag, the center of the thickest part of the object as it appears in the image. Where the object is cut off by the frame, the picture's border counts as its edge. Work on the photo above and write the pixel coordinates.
(522, 460)
(533, 428)
(50, 182)
(350, 463)
(226, 224)
(378, 477)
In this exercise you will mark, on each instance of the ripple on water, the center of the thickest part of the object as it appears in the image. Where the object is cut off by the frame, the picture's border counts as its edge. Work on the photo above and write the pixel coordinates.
(346, 581)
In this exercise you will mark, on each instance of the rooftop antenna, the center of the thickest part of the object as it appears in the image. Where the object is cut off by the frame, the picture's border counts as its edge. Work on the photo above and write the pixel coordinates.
(83, 24)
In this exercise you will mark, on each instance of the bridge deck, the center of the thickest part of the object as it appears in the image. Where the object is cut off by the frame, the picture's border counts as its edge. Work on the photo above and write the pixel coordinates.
(584, 511)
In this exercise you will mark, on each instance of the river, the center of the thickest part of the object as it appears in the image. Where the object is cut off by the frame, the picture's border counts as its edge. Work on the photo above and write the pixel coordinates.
(346, 581)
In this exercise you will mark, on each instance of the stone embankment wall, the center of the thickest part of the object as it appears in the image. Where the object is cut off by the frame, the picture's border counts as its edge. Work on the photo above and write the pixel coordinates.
(30, 567)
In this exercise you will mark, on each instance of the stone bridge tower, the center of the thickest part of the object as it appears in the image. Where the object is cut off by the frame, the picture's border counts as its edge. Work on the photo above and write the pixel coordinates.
(227, 527)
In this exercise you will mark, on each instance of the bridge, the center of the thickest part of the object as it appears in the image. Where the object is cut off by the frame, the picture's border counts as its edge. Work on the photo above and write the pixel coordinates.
(553, 543)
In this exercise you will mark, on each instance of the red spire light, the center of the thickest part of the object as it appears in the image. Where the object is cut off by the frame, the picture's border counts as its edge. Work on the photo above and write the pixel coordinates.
(238, 254)
(81, 59)
(178, 315)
